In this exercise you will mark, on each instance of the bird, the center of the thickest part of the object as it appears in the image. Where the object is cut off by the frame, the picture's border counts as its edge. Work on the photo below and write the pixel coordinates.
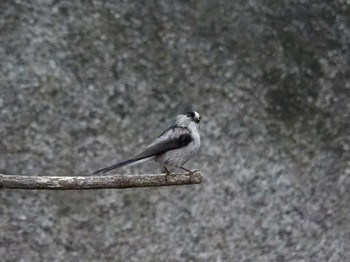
(174, 147)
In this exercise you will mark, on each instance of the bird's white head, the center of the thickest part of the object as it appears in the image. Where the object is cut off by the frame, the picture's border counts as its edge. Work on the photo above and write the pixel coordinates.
(190, 118)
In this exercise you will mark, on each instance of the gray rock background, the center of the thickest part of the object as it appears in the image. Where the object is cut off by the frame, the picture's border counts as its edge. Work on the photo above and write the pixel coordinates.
(86, 83)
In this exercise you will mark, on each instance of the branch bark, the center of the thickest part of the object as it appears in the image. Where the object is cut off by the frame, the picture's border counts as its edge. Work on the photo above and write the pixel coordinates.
(97, 182)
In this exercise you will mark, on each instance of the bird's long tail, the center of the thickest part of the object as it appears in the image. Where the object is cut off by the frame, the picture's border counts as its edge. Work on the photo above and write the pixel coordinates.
(129, 162)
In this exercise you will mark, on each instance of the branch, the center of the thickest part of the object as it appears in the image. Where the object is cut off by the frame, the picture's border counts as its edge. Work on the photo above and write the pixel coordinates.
(97, 182)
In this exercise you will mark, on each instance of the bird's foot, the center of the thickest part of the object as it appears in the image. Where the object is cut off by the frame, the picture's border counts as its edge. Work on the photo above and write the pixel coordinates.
(190, 172)
(167, 172)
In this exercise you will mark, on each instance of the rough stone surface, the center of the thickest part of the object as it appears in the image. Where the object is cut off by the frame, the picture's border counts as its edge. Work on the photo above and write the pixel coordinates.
(86, 83)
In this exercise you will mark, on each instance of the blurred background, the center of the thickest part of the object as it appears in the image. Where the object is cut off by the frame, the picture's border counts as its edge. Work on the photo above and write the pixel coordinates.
(85, 84)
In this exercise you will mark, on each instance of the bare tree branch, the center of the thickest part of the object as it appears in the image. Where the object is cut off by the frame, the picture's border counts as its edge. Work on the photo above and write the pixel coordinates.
(97, 182)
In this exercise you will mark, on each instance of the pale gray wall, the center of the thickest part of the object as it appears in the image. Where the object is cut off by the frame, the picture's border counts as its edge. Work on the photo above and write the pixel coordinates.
(85, 83)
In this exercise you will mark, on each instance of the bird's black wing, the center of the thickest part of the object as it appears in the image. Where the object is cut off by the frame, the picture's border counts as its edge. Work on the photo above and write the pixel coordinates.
(172, 138)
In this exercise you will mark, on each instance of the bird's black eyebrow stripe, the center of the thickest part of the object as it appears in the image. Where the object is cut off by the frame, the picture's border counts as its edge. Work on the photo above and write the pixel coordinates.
(190, 114)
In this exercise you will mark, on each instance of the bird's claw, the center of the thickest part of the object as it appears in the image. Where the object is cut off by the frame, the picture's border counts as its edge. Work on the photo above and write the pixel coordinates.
(191, 172)
(167, 171)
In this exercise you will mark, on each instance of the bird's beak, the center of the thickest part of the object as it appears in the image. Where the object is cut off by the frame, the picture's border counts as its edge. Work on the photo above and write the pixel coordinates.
(197, 120)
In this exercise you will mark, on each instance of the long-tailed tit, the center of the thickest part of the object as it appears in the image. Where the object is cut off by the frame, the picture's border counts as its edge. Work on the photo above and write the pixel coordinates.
(174, 147)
